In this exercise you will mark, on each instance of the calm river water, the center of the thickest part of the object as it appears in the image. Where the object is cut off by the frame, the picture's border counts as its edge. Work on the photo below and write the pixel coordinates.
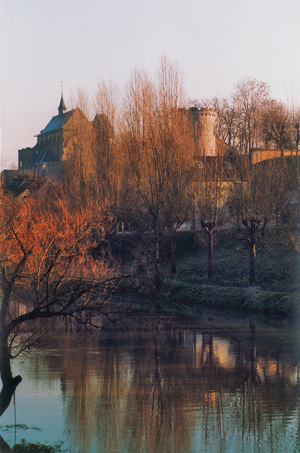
(201, 387)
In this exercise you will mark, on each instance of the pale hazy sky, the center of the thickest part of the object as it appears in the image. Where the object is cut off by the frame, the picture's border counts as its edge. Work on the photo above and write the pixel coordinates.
(79, 42)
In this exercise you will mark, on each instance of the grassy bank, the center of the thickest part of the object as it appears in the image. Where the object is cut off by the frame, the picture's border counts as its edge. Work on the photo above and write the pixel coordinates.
(275, 293)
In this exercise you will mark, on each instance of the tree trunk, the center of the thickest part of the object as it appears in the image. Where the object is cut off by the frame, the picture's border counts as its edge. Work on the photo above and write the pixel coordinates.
(9, 383)
(7, 392)
(210, 254)
(173, 255)
(252, 250)
(156, 259)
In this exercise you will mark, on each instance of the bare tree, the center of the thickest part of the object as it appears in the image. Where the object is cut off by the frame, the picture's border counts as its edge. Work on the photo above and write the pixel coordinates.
(78, 165)
(211, 193)
(255, 198)
(46, 272)
(159, 157)
(250, 100)
(81, 100)
(240, 117)
(276, 126)
(178, 198)
(226, 120)
(107, 162)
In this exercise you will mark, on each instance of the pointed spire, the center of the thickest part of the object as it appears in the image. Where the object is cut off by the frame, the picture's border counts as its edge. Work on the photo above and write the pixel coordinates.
(62, 106)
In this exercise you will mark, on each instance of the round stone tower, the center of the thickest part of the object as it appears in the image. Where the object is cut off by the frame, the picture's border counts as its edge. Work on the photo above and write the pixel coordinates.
(207, 138)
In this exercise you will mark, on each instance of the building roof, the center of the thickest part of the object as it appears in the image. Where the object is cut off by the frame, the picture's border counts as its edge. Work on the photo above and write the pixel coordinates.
(43, 156)
(5, 175)
(57, 122)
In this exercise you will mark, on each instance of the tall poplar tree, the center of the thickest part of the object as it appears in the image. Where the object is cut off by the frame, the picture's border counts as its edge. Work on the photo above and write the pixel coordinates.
(157, 142)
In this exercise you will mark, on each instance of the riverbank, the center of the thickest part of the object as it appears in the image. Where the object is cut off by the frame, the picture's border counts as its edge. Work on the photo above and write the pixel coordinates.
(275, 294)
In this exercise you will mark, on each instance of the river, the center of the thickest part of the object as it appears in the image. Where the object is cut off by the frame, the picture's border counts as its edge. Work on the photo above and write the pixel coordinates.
(174, 387)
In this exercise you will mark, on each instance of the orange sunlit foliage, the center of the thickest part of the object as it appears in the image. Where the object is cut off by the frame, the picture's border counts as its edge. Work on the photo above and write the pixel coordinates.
(46, 266)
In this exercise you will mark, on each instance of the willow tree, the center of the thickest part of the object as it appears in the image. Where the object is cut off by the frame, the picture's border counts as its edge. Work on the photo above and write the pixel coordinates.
(46, 272)
(156, 142)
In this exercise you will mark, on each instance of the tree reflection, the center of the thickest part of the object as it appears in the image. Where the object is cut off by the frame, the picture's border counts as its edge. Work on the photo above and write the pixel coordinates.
(125, 396)
(159, 391)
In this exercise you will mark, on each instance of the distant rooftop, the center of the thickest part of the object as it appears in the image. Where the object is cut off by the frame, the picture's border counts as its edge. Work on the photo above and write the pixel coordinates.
(57, 122)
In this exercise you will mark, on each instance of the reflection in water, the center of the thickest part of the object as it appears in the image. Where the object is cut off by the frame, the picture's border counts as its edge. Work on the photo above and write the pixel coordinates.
(177, 388)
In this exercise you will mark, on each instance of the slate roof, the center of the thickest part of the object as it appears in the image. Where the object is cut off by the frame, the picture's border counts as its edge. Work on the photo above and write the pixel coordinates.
(57, 122)
(42, 156)
(5, 175)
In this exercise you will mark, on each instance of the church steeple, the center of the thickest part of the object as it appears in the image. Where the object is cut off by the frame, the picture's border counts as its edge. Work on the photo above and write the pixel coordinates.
(62, 106)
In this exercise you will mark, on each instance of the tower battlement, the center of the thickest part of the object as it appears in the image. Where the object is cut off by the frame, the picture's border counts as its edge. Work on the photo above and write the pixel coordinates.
(208, 112)
(207, 121)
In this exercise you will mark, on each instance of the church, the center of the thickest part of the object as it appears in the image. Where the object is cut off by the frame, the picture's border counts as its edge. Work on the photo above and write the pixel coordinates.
(53, 143)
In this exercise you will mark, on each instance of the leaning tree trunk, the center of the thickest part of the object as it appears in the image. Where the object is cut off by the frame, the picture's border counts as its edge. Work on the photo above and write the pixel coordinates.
(9, 383)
